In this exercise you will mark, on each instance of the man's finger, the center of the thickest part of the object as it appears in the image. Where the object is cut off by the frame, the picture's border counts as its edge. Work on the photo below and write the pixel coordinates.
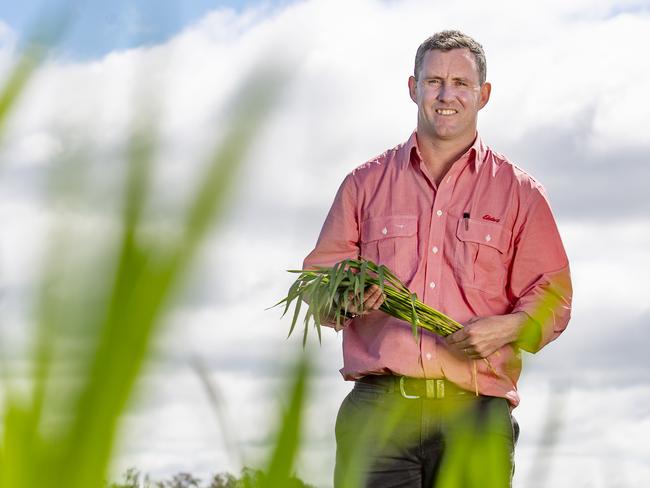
(354, 307)
(461, 345)
(369, 296)
(458, 336)
(369, 304)
(371, 292)
(379, 299)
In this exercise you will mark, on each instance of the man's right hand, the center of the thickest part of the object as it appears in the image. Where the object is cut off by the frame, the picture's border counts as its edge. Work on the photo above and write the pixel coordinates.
(372, 300)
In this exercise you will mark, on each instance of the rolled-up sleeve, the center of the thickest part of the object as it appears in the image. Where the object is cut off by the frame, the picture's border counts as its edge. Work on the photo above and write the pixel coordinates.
(539, 277)
(339, 237)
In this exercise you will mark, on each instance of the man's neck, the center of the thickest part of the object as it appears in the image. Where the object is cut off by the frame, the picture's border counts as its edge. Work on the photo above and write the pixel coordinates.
(439, 155)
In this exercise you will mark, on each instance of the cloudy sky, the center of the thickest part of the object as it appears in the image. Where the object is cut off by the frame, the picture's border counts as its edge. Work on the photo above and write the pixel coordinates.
(569, 104)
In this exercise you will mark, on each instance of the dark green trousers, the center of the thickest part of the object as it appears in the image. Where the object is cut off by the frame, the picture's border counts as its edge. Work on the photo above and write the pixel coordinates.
(386, 441)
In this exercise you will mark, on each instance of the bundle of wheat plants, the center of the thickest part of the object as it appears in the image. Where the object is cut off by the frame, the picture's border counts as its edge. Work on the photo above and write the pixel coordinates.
(329, 293)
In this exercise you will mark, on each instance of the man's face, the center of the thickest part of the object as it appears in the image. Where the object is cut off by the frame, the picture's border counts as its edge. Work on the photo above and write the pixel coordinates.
(448, 95)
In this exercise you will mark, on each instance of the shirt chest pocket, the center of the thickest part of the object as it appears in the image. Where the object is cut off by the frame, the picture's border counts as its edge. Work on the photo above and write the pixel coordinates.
(392, 241)
(481, 255)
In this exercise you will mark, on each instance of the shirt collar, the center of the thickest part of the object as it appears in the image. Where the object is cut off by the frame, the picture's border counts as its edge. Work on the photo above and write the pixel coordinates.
(474, 155)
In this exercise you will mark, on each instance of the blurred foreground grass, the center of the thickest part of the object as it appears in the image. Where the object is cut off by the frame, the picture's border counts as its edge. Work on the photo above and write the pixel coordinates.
(94, 320)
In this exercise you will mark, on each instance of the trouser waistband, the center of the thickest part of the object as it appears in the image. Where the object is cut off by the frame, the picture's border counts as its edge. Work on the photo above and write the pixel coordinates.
(413, 388)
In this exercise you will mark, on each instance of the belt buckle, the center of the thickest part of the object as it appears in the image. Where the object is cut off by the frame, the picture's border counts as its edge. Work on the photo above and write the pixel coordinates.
(403, 392)
(440, 388)
(435, 388)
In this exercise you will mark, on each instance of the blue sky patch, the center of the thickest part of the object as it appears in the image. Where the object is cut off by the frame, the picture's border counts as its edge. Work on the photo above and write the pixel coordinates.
(99, 27)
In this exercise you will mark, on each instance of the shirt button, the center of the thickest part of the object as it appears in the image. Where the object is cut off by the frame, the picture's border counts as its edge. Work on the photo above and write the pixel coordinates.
(488, 237)
(428, 355)
(384, 231)
(434, 249)
(432, 285)
(439, 213)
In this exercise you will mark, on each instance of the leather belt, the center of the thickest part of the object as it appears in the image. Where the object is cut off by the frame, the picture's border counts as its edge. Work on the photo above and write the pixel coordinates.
(413, 388)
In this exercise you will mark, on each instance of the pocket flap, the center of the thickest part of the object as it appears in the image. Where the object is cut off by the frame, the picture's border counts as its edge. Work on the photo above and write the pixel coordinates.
(486, 233)
(385, 227)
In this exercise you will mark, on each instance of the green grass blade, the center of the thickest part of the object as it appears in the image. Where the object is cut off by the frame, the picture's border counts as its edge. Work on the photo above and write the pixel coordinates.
(293, 293)
(363, 270)
(216, 400)
(338, 279)
(46, 35)
(381, 272)
(296, 312)
(414, 316)
(147, 273)
(282, 460)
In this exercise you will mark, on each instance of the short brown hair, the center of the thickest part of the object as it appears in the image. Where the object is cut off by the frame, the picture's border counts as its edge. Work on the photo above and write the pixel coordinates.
(446, 41)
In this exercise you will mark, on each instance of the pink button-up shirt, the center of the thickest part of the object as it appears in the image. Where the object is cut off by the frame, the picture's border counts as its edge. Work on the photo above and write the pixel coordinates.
(501, 259)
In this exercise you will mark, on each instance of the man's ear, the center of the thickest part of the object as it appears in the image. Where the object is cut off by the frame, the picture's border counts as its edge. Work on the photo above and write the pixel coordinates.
(486, 89)
(412, 88)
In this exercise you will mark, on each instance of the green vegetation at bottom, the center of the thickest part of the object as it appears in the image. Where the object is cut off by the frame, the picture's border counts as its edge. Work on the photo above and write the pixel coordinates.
(248, 477)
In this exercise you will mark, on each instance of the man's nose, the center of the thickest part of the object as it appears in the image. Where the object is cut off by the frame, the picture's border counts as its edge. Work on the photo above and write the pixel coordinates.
(445, 93)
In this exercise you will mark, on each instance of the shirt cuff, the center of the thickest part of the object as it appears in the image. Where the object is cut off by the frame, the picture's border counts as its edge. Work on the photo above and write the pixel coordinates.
(546, 322)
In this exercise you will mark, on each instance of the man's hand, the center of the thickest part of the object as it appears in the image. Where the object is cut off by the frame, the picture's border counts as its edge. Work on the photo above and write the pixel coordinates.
(372, 300)
(481, 336)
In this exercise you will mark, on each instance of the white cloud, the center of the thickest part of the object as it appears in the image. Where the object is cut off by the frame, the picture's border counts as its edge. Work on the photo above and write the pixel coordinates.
(569, 86)
(37, 149)
(603, 257)
(600, 434)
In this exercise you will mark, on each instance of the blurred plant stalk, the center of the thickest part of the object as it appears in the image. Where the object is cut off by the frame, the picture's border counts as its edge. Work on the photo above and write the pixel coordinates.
(95, 321)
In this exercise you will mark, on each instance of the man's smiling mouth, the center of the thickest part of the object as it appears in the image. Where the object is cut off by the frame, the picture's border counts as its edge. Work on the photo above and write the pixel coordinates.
(446, 111)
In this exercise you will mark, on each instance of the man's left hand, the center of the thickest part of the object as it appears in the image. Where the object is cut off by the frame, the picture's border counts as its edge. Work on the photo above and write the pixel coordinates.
(481, 336)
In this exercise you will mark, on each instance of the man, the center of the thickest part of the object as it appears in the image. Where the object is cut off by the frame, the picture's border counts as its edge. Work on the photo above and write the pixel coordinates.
(474, 236)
